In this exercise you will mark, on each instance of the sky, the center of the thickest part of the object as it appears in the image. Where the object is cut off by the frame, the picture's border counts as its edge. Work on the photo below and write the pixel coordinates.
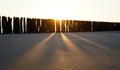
(93, 10)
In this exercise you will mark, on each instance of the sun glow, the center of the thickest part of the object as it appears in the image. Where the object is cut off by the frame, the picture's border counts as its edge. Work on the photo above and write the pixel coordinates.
(57, 13)
(58, 10)
(93, 10)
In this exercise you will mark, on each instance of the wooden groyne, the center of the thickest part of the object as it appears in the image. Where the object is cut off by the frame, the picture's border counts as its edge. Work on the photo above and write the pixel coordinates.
(18, 25)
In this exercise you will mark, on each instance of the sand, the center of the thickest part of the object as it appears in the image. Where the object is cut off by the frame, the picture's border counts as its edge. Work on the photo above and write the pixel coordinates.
(60, 51)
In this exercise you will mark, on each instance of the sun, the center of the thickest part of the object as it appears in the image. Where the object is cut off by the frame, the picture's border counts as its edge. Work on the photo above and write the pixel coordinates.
(58, 11)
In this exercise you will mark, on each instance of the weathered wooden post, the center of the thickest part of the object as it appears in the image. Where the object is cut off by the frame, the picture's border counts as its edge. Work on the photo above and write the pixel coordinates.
(87, 26)
(57, 25)
(78, 26)
(7, 25)
(67, 25)
(29, 25)
(75, 22)
(96, 26)
(38, 25)
(43, 25)
(16, 25)
(21, 24)
(70, 25)
(4, 23)
(51, 25)
(118, 26)
(34, 27)
(91, 26)
(47, 27)
(0, 24)
(24, 25)
(63, 25)
(73, 26)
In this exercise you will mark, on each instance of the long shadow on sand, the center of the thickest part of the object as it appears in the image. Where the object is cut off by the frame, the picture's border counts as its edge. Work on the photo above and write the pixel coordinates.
(11, 52)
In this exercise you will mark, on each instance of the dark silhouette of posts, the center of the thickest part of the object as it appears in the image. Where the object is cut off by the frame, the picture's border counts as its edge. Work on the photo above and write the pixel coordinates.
(108, 26)
(78, 26)
(51, 25)
(85, 26)
(31, 25)
(57, 25)
(91, 26)
(103, 26)
(70, 26)
(34, 27)
(25, 25)
(20, 25)
(16, 25)
(0, 24)
(115, 26)
(7, 25)
(47, 27)
(95, 26)
(67, 25)
(4, 24)
(74, 25)
(43, 27)
(63, 22)
(118, 26)
(38, 25)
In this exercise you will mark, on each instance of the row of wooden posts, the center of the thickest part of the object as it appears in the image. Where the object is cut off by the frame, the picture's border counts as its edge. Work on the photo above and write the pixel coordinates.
(20, 25)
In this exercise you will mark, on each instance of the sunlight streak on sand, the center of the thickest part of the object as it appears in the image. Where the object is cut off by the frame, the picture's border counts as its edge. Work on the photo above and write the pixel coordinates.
(30, 58)
(92, 42)
(75, 55)
(70, 45)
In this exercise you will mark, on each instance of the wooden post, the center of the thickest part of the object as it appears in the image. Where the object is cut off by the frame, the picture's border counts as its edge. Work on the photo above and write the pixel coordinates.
(38, 25)
(51, 23)
(57, 25)
(20, 25)
(91, 26)
(63, 25)
(9, 25)
(43, 25)
(4, 22)
(24, 24)
(16, 25)
(0, 24)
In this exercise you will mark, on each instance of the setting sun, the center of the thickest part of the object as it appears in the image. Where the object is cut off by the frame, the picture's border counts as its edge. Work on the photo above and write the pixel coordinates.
(58, 10)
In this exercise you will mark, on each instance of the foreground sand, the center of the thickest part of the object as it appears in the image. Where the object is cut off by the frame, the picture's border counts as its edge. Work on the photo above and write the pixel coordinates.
(60, 51)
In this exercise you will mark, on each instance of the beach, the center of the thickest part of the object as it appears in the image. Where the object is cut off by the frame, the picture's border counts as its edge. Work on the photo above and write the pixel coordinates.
(60, 51)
